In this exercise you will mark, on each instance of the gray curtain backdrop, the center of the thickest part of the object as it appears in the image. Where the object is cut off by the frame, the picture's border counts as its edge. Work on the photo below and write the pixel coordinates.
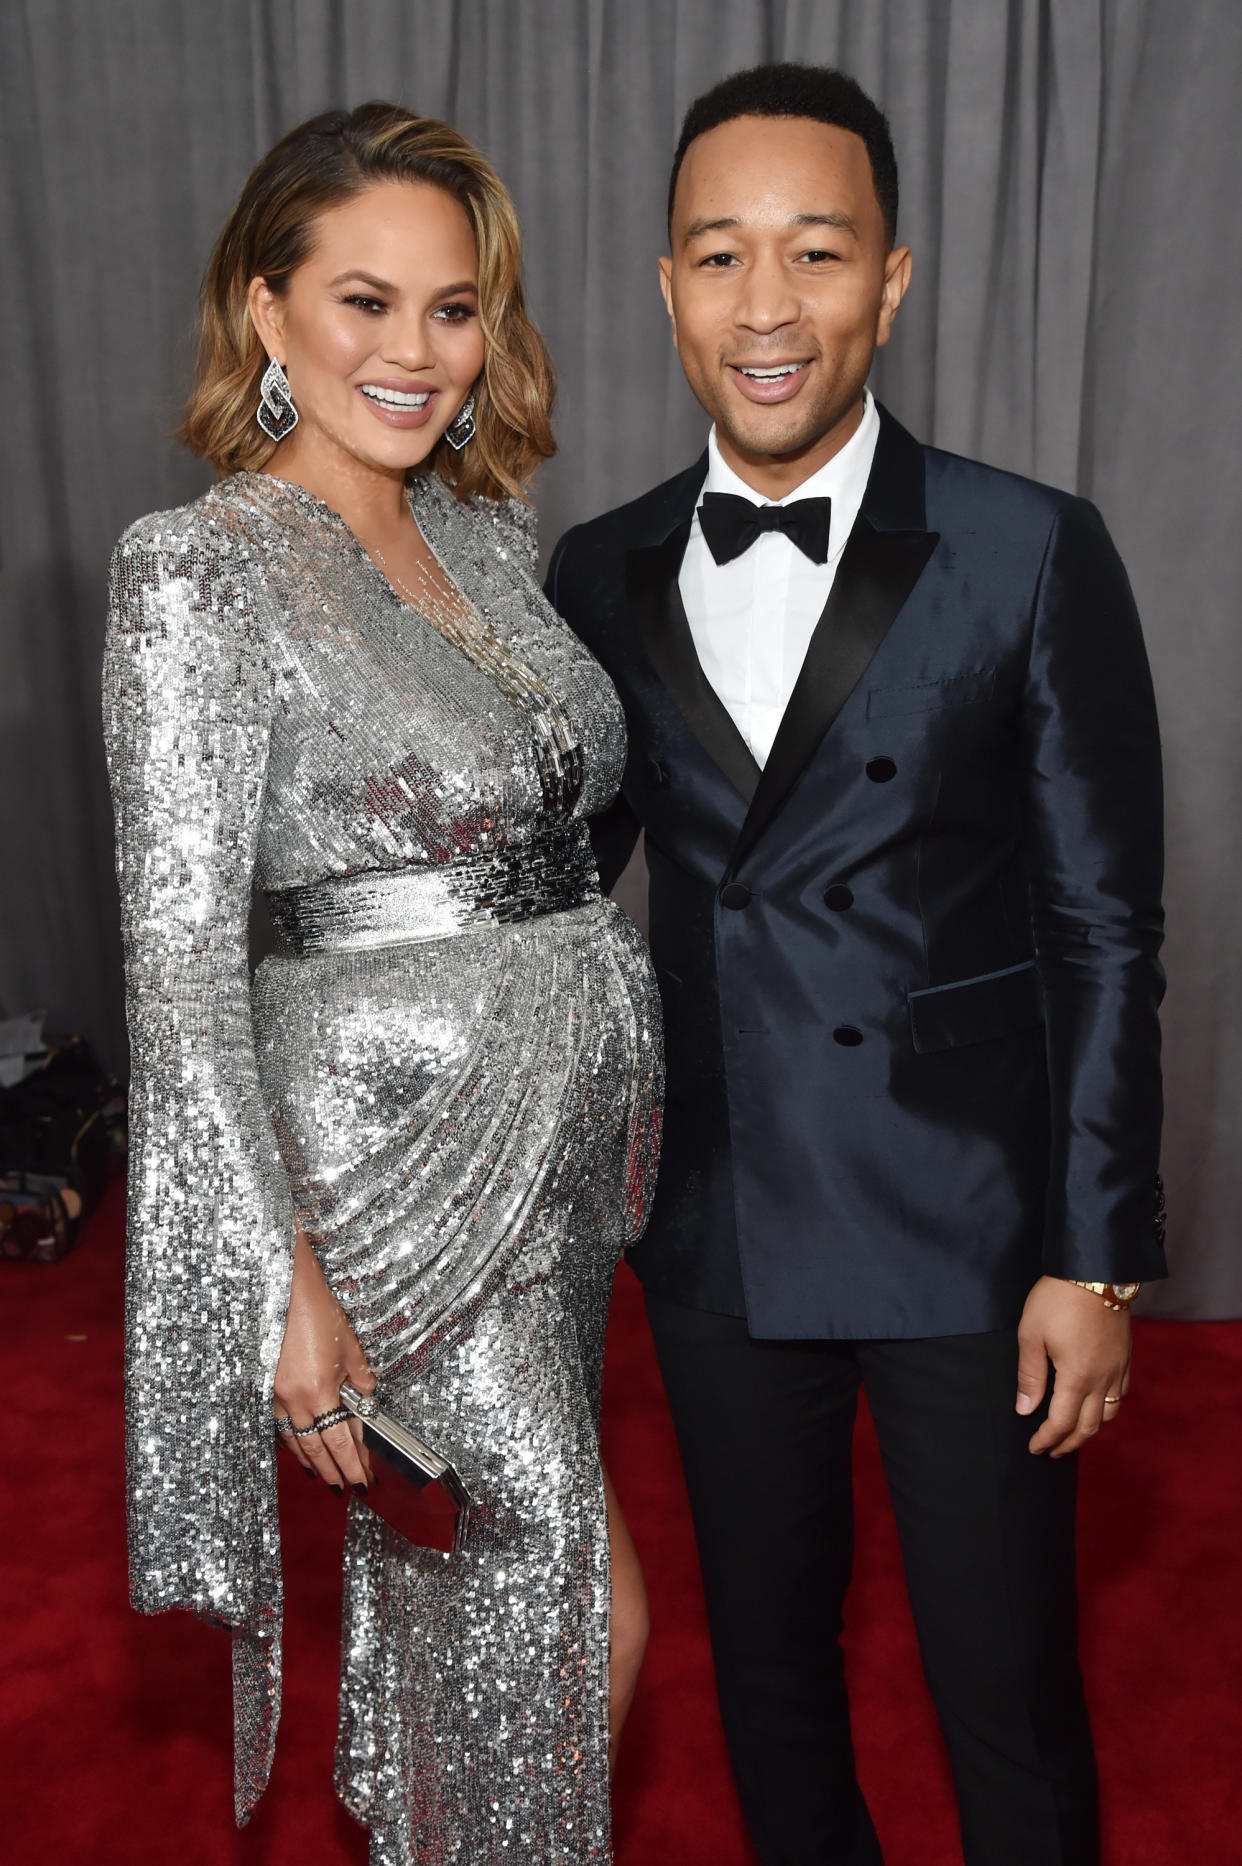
(1069, 190)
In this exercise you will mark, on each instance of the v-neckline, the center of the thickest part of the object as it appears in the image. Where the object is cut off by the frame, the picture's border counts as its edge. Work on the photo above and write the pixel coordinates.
(522, 687)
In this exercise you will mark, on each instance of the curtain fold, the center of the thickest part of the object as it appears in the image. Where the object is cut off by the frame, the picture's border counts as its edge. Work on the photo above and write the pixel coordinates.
(1067, 188)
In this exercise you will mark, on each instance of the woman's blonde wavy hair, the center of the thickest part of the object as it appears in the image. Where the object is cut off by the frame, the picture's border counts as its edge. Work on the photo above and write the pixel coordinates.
(272, 230)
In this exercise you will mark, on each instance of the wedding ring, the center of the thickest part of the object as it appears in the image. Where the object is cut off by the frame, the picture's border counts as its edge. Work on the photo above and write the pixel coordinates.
(1113, 1399)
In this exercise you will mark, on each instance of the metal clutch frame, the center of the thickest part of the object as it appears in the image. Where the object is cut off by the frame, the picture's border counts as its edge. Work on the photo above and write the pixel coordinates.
(417, 1465)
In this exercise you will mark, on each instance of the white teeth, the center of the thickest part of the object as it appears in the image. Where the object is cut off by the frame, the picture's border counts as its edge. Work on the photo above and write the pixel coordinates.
(771, 375)
(394, 398)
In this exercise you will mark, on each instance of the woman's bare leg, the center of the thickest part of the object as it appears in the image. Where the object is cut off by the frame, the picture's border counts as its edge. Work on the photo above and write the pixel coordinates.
(630, 1623)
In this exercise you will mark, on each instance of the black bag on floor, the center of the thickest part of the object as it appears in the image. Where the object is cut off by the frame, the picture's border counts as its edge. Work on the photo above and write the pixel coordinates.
(57, 1139)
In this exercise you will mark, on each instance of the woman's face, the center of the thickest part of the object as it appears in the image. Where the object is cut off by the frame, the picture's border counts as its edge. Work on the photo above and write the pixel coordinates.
(378, 330)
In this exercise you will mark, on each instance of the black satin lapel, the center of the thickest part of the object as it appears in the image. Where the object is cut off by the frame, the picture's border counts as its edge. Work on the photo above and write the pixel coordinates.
(660, 617)
(877, 572)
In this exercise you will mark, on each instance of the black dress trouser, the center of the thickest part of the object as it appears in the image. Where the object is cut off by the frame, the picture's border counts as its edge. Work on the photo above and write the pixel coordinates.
(987, 1539)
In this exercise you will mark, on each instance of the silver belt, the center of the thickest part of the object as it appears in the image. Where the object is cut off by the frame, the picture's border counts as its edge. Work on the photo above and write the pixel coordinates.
(551, 873)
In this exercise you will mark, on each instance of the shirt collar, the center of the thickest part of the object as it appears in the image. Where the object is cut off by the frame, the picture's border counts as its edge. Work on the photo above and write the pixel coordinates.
(843, 479)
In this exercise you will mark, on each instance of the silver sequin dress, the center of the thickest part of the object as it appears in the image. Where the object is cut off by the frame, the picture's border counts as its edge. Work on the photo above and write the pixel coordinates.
(450, 1072)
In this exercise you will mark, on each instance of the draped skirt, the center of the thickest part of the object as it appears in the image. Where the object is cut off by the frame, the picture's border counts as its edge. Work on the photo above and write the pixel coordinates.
(470, 1128)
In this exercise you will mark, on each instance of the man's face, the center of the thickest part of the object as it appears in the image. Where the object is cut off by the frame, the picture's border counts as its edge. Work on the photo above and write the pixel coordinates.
(780, 285)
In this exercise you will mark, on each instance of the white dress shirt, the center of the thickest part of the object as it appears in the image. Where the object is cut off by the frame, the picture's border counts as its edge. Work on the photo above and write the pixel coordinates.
(752, 619)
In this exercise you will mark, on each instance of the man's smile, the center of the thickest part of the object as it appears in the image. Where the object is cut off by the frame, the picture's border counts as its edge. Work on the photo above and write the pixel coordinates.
(770, 382)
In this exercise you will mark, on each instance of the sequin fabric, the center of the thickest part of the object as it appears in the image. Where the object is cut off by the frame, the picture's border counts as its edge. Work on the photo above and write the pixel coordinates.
(450, 1072)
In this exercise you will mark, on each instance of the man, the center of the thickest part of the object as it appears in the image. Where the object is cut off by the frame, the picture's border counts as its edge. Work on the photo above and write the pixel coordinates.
(894, 749)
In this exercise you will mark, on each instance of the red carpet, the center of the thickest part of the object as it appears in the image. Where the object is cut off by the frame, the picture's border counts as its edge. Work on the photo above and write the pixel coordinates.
(114, 1739)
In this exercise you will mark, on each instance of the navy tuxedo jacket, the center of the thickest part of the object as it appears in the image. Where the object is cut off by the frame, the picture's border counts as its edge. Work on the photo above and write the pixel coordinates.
(909, 970)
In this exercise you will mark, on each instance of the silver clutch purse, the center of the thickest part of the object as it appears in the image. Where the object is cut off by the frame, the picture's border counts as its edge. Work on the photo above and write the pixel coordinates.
(416, 1491)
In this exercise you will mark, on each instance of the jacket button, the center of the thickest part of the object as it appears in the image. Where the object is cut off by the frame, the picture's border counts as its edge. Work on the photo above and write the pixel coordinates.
(838, 897)
(880, 770)
(847, 1036)
(655, 776)
(736, 894)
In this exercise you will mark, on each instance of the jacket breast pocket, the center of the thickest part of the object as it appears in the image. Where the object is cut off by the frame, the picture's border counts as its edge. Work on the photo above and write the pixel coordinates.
(928, 696)
(973, 1010)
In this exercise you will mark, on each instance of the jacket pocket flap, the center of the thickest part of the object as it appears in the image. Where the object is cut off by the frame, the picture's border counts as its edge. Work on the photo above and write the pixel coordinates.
(928, 696)
(945, 1017)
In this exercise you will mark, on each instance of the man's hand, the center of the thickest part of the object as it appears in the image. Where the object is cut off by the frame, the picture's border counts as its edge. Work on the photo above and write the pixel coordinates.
(1089, 1346)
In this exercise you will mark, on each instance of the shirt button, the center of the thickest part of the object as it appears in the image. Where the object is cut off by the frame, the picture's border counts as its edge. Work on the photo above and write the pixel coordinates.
(838, 897)
(847, 1036)
(735, 894)
(881, 770)
(655, 775)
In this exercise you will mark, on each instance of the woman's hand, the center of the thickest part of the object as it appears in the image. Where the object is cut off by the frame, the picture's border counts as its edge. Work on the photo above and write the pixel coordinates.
(320, 1352)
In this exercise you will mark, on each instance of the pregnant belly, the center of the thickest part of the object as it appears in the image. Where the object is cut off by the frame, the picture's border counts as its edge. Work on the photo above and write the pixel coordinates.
(442, 1105)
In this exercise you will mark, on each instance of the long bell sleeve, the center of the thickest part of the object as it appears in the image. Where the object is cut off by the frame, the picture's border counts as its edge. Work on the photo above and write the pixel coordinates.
(188, 696)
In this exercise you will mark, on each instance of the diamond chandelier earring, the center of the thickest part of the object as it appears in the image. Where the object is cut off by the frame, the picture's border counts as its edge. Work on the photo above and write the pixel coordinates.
(460, 430)
(276, 414)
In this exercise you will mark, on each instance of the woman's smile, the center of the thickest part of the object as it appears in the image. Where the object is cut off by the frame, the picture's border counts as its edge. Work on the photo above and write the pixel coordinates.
(400, 405)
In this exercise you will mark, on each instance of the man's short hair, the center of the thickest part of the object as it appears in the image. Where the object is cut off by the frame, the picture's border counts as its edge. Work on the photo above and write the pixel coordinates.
(815, 91)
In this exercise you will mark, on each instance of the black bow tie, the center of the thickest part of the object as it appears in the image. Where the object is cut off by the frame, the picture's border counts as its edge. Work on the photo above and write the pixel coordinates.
(731, 525)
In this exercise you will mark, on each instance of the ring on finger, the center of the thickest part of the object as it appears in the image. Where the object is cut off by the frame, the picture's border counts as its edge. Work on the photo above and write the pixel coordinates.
(1113, 1399)
(285, 1423)
(306, 1431)
(325, 1420)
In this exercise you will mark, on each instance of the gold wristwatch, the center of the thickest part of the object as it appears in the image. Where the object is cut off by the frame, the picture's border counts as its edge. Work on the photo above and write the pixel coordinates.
(1116, 1295)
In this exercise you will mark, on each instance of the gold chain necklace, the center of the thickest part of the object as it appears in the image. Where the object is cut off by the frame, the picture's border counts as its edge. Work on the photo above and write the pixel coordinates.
(404, 587)
(560, 763)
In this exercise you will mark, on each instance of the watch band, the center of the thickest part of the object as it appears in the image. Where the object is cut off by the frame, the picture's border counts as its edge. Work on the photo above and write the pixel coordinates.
(1115, 1295)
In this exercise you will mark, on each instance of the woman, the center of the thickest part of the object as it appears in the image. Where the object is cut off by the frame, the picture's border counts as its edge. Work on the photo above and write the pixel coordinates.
(413, 1153)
